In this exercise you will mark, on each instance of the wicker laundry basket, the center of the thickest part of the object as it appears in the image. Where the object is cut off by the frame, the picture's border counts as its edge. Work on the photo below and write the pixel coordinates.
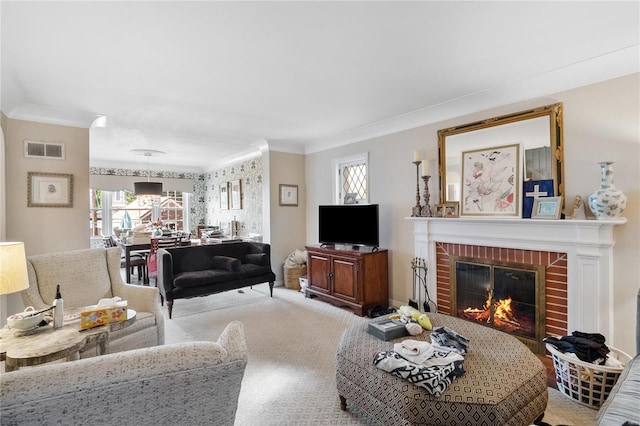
(587, 383)
(292, 276)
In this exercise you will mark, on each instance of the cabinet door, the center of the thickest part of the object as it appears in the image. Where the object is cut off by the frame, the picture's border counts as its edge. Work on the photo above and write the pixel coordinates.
(345, 278)
(319, 272)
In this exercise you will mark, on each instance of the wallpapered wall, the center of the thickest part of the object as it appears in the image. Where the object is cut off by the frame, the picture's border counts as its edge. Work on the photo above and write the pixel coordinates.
(250, 215)
(204, 202)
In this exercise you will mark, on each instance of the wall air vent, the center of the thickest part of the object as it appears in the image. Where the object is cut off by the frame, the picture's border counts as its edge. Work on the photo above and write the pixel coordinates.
(53, 151)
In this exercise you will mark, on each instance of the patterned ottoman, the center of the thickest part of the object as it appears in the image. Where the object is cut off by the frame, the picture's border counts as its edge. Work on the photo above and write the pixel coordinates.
(504, 383)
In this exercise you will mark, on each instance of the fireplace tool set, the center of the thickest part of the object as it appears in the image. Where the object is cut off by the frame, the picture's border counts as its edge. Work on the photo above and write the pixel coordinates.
(420, 290)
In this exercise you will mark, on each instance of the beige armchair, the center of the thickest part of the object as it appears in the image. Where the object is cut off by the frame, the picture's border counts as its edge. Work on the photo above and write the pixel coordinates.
(85, 276)
(192, 383)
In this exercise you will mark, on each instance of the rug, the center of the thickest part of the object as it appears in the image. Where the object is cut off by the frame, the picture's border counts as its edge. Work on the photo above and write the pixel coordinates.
(290, 376)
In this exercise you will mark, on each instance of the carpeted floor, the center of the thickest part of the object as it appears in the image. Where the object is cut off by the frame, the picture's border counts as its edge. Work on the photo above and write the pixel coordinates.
(290, 377)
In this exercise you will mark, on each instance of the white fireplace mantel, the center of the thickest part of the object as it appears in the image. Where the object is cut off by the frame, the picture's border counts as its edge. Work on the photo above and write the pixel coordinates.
(588, 244)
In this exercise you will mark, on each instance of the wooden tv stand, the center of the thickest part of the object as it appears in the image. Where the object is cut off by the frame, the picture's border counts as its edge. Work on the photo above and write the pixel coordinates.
(358, 279)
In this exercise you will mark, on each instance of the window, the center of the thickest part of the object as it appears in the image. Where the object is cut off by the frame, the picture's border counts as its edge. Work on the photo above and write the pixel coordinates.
(122, 209)
(172, 211)
(352, 178)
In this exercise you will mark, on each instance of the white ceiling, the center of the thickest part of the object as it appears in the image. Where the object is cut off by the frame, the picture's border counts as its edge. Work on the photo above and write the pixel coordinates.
(210, 82)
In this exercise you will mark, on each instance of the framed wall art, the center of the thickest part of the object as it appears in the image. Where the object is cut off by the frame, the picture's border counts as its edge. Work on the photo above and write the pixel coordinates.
(288, 195)
(49, 190)
(547, 208)
(236, 194)
(491, 181)
(224, 196)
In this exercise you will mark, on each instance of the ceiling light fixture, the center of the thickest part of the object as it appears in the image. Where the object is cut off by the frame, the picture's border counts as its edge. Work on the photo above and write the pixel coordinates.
(147, 188)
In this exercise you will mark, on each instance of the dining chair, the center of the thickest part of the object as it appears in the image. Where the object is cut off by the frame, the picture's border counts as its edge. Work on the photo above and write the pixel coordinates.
(156, 244)
(136, 260)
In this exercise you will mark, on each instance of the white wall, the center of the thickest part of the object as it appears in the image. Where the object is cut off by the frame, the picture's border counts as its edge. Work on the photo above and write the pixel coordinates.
(601, 122)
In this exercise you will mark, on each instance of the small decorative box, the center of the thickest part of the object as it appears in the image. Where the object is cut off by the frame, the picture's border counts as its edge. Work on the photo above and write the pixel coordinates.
(94, 316)
(387, 329)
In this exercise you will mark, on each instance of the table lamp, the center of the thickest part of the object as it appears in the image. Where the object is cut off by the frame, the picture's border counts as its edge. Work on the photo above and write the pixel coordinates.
(13, 268)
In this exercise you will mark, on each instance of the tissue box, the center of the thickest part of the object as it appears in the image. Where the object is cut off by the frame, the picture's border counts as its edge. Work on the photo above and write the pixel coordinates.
(94, 316)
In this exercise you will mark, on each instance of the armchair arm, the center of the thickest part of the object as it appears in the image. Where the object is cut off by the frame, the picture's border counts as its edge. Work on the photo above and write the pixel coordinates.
(139, 298)
(232, 339)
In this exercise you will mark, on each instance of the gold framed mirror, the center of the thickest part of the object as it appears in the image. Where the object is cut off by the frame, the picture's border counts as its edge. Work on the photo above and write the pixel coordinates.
(537, 131)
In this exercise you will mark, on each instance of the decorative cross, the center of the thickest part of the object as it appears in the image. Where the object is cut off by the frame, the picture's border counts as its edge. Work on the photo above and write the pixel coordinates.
(536, 192)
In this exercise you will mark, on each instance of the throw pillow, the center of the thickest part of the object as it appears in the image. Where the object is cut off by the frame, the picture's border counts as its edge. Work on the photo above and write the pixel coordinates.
(226, 263)
(259, 259)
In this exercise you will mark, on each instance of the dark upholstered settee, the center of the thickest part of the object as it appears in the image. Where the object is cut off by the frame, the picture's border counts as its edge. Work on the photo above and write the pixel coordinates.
(185, 272)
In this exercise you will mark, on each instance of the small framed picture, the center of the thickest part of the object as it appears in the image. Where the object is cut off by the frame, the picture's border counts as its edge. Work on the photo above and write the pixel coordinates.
(438, 210)
(288, 195)
(49, 190)
(224, 196)
(546, 208)
(451, 209)
(350, 198)
(236, 194)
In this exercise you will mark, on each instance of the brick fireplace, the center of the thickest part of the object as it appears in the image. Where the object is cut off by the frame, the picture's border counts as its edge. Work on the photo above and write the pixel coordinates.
(553, 310)
(577, 256)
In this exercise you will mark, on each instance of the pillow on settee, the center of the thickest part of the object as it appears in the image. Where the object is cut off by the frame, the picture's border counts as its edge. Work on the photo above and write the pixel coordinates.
(226, 263)
(259, 259)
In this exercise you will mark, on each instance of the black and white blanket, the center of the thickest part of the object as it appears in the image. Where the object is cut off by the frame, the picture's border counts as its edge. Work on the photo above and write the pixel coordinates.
(435, 374)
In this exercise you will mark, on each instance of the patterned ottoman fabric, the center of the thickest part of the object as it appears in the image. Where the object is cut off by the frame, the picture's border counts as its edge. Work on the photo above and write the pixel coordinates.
(504, 383)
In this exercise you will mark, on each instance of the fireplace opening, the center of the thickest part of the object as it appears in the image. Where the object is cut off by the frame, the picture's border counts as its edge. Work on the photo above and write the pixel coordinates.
(506, 296)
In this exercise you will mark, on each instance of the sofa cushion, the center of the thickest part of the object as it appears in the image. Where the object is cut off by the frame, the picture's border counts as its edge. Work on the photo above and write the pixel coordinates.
(226, 263)
(198, 278)
(260, 259)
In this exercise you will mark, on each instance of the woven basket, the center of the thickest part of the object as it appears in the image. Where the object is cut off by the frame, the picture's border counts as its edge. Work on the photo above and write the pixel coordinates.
(587, 383)
(292, 275)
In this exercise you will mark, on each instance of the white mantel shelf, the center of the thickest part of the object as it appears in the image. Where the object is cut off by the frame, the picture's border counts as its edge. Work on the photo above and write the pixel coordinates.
(588, 244)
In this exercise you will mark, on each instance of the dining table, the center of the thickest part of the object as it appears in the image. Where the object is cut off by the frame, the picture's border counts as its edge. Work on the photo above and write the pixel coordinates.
(128, 248)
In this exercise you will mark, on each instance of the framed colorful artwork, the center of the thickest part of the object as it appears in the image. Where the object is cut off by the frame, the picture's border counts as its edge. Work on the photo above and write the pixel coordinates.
(491, 181)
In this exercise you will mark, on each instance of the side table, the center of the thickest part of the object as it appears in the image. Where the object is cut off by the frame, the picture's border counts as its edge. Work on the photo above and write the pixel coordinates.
(48, 344)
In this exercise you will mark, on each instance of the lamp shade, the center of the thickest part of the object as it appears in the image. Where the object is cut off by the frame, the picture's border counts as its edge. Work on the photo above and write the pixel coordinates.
(13, 268)
(147, 188)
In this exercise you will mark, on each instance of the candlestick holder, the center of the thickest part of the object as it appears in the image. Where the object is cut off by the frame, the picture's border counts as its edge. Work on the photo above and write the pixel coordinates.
(426, 209)
(417, 209)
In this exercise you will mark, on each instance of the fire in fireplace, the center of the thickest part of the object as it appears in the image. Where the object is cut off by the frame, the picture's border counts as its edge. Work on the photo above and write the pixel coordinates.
(506, 296)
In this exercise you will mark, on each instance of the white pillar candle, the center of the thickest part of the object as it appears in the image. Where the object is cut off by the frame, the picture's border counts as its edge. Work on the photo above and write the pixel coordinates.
(425, 167)
(417, 155)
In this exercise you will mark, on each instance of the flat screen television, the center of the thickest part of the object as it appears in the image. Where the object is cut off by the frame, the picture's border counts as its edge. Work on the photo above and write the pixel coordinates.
(353, 224)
